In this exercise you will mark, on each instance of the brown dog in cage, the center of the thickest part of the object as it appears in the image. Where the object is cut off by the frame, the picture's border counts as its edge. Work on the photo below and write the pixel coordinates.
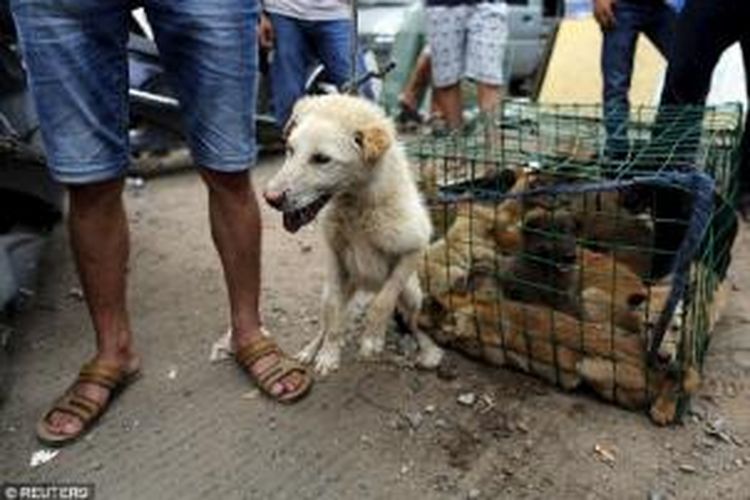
(529, 246)
(519, 283)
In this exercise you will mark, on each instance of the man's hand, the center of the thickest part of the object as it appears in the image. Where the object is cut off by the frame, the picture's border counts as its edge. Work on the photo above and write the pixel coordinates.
(604, 12)
(265, 32)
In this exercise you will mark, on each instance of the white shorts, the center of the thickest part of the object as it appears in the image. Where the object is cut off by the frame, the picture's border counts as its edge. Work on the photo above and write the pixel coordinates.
(468, 41)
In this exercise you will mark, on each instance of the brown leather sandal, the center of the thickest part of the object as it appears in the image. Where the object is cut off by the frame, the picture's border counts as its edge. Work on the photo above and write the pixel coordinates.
(85, 409)
(275, 372)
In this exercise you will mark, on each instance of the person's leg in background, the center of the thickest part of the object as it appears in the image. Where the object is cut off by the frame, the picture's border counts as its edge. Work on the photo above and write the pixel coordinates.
(704, 29)
(332, 43)
(291, 59)
(415, 89)
(210, 51)
(659, 26)
(618, 53)
(446, 27)
(486, 47)
(77, 64)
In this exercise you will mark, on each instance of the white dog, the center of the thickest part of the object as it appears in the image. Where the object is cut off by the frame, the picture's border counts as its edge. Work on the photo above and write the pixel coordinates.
(343, 158)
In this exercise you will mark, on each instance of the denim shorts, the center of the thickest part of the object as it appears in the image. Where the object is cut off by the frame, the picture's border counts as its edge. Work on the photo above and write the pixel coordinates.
(75, 52)
(299, 43)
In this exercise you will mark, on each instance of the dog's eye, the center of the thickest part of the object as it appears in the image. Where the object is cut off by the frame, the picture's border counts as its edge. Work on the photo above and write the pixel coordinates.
(320, 159)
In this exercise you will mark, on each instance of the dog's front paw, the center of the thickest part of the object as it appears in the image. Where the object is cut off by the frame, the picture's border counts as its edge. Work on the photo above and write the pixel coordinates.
(429, 357)
(328, 359)
(308, 353)
(371, 346)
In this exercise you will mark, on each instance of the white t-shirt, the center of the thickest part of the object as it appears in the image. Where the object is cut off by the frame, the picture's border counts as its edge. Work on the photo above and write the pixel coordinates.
(310, 10)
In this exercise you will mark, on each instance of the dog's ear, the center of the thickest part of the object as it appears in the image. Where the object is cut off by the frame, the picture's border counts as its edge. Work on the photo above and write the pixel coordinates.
(373, 142)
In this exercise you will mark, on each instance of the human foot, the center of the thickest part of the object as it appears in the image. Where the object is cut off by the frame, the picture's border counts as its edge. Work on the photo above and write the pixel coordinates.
(275, 373)
(87, 398)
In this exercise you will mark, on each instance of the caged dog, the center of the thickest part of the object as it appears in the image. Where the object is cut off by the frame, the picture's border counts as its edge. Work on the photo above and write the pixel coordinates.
(344, 161)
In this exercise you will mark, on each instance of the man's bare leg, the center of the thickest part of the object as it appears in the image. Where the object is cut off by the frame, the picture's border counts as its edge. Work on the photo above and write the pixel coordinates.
(488, 97)
(448, 100)
(418, 82)
(236, 231)
(98, 229)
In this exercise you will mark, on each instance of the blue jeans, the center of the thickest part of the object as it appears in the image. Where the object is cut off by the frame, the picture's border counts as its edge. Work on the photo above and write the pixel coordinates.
(298, 44)
(654, 19)
(75, 51)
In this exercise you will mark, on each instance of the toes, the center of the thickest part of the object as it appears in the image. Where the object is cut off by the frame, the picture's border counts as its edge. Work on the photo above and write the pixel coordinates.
(293, 382)
(71, 427)
(278, 389)
(60, 423)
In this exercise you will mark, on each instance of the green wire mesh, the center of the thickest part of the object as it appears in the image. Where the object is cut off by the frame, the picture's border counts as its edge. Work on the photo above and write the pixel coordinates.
(533, 266)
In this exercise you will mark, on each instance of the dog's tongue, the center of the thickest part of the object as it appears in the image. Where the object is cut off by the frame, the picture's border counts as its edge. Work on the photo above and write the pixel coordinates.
(293, 221)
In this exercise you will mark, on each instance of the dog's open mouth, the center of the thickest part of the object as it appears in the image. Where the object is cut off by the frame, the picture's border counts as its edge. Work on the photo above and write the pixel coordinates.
(295, 219)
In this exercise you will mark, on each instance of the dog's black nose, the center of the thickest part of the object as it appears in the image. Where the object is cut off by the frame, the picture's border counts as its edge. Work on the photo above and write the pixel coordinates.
(275, 198)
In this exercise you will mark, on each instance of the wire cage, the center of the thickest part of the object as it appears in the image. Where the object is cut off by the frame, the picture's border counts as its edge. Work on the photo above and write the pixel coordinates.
(589, 252)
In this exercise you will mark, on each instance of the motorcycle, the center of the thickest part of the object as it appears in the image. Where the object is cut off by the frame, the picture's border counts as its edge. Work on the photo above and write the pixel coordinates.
(30, 202)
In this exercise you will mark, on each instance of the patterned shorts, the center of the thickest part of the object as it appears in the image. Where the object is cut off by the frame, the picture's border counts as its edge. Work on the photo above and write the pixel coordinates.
(468, 41)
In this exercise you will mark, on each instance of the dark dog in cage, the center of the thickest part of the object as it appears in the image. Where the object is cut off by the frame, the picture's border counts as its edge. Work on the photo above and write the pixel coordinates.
(536, 249)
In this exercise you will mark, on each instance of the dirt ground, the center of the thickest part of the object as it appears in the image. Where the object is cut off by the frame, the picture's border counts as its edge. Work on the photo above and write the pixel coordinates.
(193, 429)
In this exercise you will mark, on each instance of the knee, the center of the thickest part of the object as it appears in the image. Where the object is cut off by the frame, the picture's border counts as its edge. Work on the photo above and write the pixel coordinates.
(95, 196)
(227, 184)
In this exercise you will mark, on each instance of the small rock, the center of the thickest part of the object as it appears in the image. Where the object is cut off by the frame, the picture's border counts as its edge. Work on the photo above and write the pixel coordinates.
(76, 293)
(429, 409)
(251, 394)
(397, 424)
(716, 430)
(415, 419)
(96, 466)
(687, 469)
(172, 373)
(129, 425)
(607, 456)
(306, 248)
(441, 424)
(474, 494)
(366, 440)
(739, 463)
(521, 426)
(405, 469)
(467, 399)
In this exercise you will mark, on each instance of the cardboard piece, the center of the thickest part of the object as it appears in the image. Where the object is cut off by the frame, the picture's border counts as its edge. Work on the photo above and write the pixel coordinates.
(574, 70)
